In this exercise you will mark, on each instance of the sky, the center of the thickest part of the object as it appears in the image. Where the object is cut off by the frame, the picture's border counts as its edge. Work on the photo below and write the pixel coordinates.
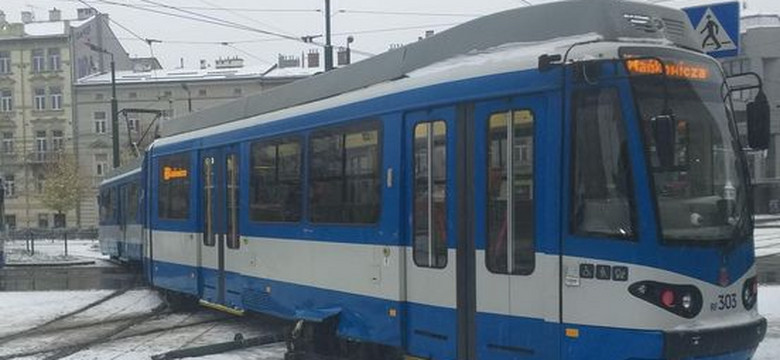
(374, 25)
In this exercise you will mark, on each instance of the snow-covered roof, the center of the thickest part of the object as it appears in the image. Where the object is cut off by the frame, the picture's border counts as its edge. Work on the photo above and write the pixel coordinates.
(753, 21)
(52, 28)
(179, 75)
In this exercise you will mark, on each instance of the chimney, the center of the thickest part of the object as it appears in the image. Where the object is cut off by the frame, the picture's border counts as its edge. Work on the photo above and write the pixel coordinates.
(429, 33)
(289, 61)
(27, 17)
(203, 64)
(55, 14)
(2, 17)
(342, 56)
(313, 58)
(229, 63)
(85, 13)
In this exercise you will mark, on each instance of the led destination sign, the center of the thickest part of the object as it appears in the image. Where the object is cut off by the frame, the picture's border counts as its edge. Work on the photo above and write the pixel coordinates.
(172, 173)
(676, 69)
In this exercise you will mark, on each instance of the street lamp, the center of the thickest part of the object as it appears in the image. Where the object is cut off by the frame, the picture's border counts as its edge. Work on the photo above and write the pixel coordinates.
(114, 105)
(350, 40)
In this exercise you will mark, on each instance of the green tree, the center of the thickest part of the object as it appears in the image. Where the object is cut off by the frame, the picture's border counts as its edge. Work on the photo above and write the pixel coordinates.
(63, 185)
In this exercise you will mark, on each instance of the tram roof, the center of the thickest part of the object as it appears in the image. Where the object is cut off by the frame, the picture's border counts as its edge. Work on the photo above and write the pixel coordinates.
(611, 20)
(132, 167)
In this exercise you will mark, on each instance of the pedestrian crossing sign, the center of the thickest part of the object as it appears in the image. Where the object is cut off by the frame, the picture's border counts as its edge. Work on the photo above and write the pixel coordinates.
(716, 27)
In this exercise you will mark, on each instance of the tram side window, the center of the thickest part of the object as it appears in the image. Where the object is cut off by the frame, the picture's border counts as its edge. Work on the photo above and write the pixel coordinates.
(131, 205)
(344, 179)
(107, 204)
(275, 184)
(430, 194)
(602, 192)
(510, 200)
(173, 187)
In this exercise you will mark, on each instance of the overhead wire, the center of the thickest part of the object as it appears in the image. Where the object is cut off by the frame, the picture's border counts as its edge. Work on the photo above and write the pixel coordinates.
(404, 13)
(190, 15)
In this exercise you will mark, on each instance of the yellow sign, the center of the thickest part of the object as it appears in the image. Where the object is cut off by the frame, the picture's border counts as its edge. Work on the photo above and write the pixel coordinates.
(678, 69)
(170, 173)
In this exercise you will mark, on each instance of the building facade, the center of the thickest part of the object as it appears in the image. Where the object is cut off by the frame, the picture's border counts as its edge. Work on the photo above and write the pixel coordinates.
(39, 61)
(149, 97)
(760, 53)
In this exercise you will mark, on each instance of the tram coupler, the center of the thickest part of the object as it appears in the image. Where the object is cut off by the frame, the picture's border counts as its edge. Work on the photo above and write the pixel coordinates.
(312, 340)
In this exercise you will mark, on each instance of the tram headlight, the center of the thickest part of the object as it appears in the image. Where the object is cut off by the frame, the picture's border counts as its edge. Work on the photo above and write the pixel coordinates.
(682, 300)
(687, 302)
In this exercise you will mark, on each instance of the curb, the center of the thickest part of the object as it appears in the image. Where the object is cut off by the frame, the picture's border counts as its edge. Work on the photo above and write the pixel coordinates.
(51, 264)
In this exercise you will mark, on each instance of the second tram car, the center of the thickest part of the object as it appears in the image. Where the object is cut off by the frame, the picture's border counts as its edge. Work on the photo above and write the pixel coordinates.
(120, 199)
(562, 181)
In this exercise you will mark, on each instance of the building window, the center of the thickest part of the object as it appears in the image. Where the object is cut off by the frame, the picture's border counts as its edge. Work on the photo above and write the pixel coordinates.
(100, 122)
(5, 62)
(237, 91)
(98, 96)
(10, 185)
(38, 61)
(8, 142)
(430, 195)
(167, 94)
(56, 97)
(6, 100)
(57, 140)
(344, 179)
(39, 183)
(101, 164)
(59, 221)
(54, 59)
(173, 202)
(39, 99)
(132, 95)
(133, 124)
(510, 203)
(10, 222)
(275, 186)
(41, 145)
(202, 92)
(43, 221)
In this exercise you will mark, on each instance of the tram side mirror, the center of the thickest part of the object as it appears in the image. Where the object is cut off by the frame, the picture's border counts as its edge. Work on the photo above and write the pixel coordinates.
(665, 136)
(758, 116)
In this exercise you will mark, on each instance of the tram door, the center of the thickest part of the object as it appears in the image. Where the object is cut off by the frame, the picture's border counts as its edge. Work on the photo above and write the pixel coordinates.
(219, 189)
(431, 281)
(513, 192)
(123, 220)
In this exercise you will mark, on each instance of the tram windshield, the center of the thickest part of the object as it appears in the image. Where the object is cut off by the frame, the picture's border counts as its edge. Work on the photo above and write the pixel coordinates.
(693, 152)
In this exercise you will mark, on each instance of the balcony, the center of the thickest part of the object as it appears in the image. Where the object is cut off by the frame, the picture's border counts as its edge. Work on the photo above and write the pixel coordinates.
(43, 157)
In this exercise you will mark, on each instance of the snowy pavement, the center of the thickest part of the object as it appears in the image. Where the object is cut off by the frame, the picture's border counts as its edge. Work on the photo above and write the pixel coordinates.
(53, 252)
(153, 334)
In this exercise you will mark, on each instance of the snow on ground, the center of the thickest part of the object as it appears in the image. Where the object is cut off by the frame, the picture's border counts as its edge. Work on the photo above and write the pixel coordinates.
(24, 310)
(48, 251)
(769, 307)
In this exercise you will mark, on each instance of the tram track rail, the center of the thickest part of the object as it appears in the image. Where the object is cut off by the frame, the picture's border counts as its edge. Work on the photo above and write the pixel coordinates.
(114, 334)
(49, 326)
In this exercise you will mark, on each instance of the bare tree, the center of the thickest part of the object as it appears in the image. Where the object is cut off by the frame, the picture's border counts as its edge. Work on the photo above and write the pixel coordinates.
(63, 185)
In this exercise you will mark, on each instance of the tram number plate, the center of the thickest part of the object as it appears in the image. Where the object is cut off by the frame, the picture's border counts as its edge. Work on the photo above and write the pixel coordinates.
(725, 302)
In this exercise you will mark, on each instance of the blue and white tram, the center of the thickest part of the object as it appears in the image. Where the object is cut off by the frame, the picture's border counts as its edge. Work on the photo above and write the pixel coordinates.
(563, 181)
(120, 231)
